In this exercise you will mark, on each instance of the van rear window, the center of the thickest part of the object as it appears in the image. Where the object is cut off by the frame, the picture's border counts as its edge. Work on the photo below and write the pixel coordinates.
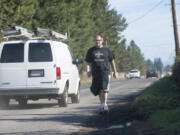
(40, 52)
(12, 53)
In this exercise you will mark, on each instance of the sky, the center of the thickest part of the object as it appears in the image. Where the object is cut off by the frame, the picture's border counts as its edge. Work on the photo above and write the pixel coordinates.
(150, 26)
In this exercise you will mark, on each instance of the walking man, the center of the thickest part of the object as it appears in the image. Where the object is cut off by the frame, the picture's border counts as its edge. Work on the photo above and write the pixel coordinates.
(98, 60)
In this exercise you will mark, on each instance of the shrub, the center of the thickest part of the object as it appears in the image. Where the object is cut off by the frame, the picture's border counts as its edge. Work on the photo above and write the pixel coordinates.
(160, 105)
(161, 95)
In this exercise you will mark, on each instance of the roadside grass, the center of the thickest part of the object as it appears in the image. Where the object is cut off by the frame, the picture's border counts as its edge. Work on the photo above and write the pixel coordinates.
(160, 104)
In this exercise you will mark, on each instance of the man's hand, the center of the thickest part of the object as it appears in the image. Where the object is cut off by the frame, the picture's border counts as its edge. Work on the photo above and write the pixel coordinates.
(116, 75)
(88, 74)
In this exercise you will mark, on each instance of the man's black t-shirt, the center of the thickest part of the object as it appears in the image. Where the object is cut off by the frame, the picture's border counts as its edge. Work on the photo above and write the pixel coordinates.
(100, 59)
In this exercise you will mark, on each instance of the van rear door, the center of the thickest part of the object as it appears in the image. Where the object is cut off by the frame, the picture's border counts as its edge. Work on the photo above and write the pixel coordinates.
(41, 65)
(12, 66)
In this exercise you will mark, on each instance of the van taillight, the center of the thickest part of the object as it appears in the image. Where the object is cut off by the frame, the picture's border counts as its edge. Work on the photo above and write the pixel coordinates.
(58, 73)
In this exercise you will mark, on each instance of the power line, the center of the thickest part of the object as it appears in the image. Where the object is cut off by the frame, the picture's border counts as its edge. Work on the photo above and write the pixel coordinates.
(157, 45)
(170, 4)
(146, 13)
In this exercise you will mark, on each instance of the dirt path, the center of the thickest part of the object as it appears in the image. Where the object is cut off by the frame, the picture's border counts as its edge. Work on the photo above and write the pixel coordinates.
(46, 118)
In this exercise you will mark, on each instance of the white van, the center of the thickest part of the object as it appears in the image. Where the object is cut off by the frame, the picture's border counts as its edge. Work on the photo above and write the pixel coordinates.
(36, 69)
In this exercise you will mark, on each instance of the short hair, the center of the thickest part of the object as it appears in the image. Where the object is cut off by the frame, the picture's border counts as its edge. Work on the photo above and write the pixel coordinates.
(99, 34)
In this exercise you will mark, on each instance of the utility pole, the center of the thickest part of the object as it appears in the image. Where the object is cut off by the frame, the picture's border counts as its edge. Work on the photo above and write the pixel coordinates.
(175, 27)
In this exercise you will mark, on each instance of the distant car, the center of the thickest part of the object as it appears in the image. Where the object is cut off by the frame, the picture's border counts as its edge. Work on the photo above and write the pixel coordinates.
(151, 73)
(135, 73)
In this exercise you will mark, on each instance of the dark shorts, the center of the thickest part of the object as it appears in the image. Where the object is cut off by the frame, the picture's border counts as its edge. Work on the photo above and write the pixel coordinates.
(100, 83)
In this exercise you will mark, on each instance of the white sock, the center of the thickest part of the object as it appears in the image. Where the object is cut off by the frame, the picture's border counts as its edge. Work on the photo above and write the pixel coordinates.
(104, 104)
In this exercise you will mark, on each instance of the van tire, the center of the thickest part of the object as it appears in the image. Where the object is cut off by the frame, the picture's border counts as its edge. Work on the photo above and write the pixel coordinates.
(22, 102)
(76, 97)
(63, 101)
(4, 102)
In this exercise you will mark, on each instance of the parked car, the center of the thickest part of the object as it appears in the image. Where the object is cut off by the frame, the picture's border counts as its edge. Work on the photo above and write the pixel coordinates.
(135, 73)
(37, 69)
(151, 73)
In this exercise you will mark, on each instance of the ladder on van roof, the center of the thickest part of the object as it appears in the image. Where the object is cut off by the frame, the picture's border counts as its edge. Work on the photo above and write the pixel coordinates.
(49, 34)
(18, 32)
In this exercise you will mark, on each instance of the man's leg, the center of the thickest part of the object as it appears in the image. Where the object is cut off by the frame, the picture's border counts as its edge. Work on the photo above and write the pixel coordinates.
(100, 98)
(103, 97)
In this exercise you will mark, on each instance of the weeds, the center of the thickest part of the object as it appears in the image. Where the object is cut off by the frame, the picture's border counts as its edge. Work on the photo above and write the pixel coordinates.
(160, 104)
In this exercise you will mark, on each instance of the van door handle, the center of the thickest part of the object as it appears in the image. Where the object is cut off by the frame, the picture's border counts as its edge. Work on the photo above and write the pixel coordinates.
(6, 83)
(46, 82)
(66, 73)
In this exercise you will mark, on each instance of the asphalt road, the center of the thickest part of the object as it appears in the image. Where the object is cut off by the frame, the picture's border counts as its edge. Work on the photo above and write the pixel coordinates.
(44, 117)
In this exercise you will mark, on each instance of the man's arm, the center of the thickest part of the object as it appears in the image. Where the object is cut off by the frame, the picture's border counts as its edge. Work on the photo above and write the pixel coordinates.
(113, 65)
(88, 69)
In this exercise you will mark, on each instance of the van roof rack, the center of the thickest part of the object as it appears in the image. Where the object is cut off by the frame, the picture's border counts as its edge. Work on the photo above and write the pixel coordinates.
(18, 32)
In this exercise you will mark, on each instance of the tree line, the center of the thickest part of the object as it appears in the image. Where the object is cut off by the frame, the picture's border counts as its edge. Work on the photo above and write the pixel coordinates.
(81, 19)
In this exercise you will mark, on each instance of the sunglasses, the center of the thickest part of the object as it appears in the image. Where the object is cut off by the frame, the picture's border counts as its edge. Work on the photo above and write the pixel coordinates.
(97, 40)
